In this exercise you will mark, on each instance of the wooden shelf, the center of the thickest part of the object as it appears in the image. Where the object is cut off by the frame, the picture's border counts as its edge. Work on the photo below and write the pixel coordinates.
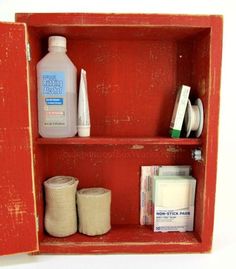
(119, 141)
(121, 239)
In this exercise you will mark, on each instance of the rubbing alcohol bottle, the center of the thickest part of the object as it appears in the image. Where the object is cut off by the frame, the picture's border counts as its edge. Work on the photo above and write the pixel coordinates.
(57, 91)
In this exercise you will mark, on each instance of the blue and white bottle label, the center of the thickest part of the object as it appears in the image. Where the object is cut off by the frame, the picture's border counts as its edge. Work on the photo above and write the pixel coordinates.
(53, 90)
(53, 84)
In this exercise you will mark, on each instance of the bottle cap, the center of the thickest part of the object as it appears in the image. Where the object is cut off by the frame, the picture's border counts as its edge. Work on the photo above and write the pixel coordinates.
(57, 41)
(84, 131)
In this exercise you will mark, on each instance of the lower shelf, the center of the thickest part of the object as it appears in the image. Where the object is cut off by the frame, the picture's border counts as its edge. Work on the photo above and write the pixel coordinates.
(124, 239)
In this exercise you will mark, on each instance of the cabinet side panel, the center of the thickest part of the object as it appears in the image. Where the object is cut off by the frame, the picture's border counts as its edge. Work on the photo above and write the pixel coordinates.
(200, 83)
(206, 74)
(212, 127)
(17, 208)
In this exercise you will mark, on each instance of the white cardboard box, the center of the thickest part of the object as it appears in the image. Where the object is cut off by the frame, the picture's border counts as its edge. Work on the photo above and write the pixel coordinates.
(179, 111)
(173, 203)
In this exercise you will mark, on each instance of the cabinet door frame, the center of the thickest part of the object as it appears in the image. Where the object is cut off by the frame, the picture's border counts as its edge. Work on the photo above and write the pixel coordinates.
(18, 222)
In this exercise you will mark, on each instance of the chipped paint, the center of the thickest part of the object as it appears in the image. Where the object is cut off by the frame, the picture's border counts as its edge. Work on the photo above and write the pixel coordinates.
(104, 89)
(173, 149)
(112, 120)
(17, 210)
(202, 87)
(137, 147)
(3, 101)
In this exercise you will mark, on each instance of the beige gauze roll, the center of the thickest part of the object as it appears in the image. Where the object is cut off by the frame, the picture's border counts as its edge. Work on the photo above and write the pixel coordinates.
(94, 206)
(60, 211)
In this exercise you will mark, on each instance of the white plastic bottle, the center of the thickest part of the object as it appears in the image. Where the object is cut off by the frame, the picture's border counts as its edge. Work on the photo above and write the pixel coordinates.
(57, 91)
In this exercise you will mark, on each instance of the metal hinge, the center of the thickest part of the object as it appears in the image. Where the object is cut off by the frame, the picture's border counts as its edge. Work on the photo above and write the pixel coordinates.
(28, 53)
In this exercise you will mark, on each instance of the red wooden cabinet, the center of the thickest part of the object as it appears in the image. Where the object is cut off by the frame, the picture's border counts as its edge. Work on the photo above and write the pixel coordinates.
(135, 63)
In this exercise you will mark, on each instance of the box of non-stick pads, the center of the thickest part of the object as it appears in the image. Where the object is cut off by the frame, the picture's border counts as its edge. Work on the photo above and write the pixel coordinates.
(174, 170)
(173, 203)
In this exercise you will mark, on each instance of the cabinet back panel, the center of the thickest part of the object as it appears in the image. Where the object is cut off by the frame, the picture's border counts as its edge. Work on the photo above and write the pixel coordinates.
(117, 168)
(132, 82)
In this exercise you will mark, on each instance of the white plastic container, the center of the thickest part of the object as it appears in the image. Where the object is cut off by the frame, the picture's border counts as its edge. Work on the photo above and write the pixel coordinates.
(57, 91)
(83, 107)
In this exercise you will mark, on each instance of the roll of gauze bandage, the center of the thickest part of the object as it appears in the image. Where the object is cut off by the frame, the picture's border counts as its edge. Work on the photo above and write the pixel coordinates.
(60, 212)
(94, 211)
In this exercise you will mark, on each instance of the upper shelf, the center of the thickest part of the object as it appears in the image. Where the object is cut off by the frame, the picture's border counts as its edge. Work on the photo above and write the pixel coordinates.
(119, 141)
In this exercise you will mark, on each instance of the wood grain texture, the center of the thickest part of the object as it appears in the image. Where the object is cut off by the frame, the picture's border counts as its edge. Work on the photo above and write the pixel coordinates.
(17, 213)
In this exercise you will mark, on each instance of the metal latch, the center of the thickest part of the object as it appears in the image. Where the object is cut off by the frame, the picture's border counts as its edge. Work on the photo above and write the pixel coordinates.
(197, 154)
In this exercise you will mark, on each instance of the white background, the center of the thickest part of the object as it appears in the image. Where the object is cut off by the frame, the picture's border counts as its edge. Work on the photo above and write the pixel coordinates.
(224, 244)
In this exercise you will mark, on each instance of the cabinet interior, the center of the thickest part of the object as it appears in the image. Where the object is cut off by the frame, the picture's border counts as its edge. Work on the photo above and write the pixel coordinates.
(133, 74)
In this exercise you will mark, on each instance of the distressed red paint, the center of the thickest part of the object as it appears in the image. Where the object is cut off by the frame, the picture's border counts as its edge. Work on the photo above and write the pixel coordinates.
(17, 216)
(135, 63)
